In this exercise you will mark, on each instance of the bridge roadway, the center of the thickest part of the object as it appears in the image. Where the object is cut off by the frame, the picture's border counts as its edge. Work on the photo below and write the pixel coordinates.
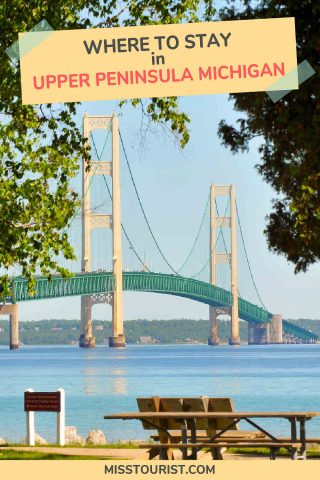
(101, 282)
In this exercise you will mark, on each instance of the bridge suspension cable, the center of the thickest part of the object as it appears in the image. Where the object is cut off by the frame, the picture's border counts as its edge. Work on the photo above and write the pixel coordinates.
(224, 242)
(197, 236)
(223, 239)
(91, 179)
(247, 258)
(176, 271)
(142, 209)
(125, 232)
(110, 195)
(216, 242)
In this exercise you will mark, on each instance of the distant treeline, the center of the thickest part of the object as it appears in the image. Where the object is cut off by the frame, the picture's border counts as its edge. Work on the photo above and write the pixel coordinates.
(66, 332)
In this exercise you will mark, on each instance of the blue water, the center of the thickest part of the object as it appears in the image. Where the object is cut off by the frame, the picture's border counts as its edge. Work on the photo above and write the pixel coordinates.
(105, 380)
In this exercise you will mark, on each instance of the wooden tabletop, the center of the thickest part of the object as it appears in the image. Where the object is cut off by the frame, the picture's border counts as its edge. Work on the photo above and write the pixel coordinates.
(208, 415)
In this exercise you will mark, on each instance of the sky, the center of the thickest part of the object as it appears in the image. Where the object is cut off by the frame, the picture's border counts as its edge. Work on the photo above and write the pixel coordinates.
(174, 186)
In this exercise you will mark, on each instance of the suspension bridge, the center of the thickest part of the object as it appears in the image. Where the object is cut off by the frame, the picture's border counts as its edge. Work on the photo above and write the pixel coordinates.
(104, 278)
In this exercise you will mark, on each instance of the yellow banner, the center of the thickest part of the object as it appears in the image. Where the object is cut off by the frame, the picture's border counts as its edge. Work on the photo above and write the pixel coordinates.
(158, 60)
(262, 469)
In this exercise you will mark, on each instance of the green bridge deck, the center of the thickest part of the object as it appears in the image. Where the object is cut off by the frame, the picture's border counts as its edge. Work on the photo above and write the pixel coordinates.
(101, 282)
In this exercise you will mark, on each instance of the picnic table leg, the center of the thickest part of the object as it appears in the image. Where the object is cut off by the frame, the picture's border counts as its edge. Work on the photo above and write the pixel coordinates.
(302, 422)
(154, 452)
(193, 429)
(165, 453)
(184, 439)
(293, 437)
(272, 453)
(212, 432)
(216, 453)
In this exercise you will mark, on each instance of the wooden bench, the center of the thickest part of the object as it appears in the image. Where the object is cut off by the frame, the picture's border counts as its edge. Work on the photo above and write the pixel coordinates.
(215, 447)
(190, 420)
(170, 431)
(157, 404)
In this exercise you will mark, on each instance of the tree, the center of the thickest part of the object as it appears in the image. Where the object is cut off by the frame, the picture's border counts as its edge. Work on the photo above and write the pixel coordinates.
(40, 147)
(290, 129)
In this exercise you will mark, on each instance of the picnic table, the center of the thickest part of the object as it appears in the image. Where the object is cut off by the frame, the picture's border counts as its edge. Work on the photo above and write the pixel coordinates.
(188, 421)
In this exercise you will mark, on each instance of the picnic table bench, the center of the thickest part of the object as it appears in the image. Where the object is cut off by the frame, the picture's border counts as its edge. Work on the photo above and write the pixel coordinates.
(204, 431)
(180, 429)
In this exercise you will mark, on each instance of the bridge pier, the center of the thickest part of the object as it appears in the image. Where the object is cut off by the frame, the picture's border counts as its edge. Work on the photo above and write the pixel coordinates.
(14, 327)
(12, 311)
(86, 339)
(213, 338)
(258, 333)
(264, 333)
(119, 341)
(235, 338)
(276, 330)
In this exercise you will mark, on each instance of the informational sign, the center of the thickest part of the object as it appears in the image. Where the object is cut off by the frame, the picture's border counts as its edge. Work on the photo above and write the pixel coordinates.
(158, 60)
(42, 401)
(45, 402)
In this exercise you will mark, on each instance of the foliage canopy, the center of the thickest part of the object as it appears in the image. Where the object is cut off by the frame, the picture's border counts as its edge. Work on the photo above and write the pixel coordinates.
(40, 147)
(290, 132)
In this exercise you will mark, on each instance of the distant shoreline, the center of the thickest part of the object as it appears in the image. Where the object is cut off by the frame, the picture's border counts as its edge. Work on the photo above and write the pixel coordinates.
(144, 332)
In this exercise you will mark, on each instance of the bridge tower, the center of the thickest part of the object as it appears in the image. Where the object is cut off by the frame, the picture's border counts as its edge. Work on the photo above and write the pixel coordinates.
(91, 221)
(217, 258)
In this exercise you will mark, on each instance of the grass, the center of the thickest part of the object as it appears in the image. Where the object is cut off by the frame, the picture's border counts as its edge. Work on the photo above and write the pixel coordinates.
(8, 453)
(22, 455)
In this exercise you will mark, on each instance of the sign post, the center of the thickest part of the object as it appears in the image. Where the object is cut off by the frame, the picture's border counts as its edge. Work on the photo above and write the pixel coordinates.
(61, 419)
(30, 423)
(45, 402)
